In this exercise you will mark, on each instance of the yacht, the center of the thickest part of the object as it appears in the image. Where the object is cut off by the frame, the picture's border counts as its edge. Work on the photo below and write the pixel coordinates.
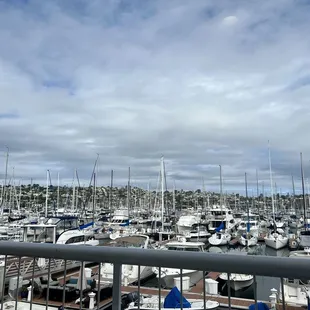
(250, 220)
(186, 222)
(77, 237)
(296, 291)
(130, 273)
(168, 274)
(198, 233)
(221, 216)
(120, 217)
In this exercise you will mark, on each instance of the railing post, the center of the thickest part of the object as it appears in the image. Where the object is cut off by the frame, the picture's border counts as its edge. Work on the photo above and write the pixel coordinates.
(117, 282)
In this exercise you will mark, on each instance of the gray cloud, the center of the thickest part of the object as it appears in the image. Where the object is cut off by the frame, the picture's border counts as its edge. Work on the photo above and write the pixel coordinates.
(201, 83)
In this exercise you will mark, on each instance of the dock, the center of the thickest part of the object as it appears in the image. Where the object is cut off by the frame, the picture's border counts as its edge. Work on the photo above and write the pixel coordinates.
(197, 293)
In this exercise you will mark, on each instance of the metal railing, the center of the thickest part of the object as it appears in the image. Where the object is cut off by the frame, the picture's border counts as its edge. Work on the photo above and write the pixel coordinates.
(255, 265)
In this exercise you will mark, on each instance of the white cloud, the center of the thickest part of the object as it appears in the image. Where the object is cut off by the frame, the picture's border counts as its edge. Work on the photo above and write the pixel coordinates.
(132, 80)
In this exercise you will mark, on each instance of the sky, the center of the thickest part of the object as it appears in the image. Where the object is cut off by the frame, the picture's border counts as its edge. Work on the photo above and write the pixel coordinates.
(203, 83)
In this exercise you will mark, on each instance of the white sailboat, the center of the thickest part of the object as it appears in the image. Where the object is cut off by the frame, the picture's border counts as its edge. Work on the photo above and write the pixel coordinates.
(219, 238)
(274, 239)
(221, 235)
(169, 274)
(247, 239)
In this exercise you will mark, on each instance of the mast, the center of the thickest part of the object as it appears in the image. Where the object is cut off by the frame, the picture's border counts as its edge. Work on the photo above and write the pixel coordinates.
(73, 192)
(162, 193)
(58, 190)
(94, 197)
(247, 203)
(221, 186)
(76, 191)
(173, 197)
(303, 189)
(20, 196)
(221, 193)
(128, 192)
(6, 175)
(293, 187)
(271, 182)
(257, 194)
(111, 193)
(46, 195)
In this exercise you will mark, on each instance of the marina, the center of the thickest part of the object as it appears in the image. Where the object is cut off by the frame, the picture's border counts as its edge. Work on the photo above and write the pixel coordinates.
(237, 229)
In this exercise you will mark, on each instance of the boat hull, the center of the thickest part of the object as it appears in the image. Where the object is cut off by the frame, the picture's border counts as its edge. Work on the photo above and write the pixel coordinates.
(167, 277)
(276, 243)
(248, 242)
(239, 285)
(237, 281)
(218, 240)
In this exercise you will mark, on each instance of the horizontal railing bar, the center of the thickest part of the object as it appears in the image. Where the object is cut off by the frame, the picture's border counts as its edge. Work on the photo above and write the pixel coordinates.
(230, 263)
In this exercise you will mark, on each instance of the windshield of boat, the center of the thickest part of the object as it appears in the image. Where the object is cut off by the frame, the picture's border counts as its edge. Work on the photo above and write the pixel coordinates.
(191, 249)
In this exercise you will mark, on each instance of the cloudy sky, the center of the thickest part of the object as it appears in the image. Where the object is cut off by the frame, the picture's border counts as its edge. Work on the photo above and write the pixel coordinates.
(205, 83)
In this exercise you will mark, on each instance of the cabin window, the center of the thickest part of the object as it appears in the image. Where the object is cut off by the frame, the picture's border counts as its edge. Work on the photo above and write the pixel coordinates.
(75, 239)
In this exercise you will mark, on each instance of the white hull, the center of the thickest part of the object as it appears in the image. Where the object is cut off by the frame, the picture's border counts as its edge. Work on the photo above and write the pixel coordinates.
(219, 239)
(129, 273)
(294, 294)
(248, 242)
(239, 285)
(238, 281)
(276, 242)
(201, 237)
(168, 275)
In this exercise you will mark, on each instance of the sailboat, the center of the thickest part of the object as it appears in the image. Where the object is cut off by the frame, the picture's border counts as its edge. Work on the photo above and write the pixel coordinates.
(248, 239)
(274, 239)
(221, 236)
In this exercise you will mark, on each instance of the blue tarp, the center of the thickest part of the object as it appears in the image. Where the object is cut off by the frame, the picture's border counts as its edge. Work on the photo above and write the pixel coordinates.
(86, 225)
(222, 226)
(248, 226)
(173, 300)
(125, 224)
(260, 306)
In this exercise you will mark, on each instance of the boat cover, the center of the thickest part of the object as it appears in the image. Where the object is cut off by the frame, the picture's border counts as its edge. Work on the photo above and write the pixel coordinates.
(173, 300)
(260, 306)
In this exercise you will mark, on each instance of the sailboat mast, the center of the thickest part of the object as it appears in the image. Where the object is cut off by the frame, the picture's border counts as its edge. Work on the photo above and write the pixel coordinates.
(111, 193)
(94, 197)
(5, 176)
(303, 189)
(58, 190)
(257, 194)
(46, 194)
(271, 182)
(162, 193)
(128, 192)
(293, 187)
(6, 167)
(173, 197)
(221, 186)
(246, 201)
(73, 192)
